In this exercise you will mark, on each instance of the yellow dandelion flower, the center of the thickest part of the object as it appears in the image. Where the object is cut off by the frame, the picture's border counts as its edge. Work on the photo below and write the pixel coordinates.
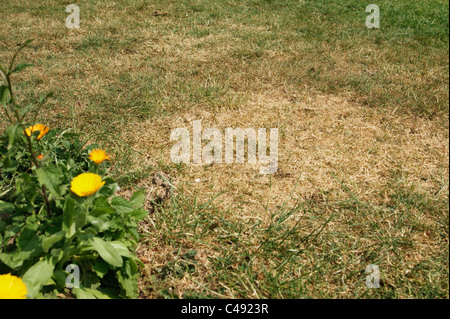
(38, 127)
(86, 184)
(98, 155)
(12, 287)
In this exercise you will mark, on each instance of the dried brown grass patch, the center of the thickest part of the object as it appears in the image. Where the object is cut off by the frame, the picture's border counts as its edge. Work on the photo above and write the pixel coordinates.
(319, 135)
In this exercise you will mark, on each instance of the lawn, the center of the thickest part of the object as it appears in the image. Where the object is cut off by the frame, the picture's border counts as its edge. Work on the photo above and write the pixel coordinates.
(363, 121)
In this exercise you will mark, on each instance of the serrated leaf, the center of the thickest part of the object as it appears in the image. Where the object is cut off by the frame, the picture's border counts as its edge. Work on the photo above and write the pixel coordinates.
(138, 199)
(121, 205)
(101, 206)
(139, 214)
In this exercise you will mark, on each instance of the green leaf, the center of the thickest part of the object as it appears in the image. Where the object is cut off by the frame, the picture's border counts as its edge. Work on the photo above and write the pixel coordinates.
(121, 249)
(29, 242)
(4, 93)
(14, 134)
(9, 164)
(68, 225)
(102, 201)
(128, 279)
(101, 268)
(139, 214)
(39, 274)
(86, 235)
(27, 190)
(6, 207)
(107, 252)
(25, 109)
(109, 188)
(83, 293)
(60, 277)
(100, 224)
(80, 220)
(133, 232)
(13, 260)
(121, 205)
(51, 177)
(11, 231)
(48, 242)
(101, 206)
(99, 211)
(138, 199)
(20, 67)
(87, 293)
(43, 98)
(98, 294)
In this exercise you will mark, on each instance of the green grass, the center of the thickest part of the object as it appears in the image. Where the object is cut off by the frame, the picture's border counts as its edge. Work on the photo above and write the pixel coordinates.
(125, 66)
(320, 44)
(312, 249)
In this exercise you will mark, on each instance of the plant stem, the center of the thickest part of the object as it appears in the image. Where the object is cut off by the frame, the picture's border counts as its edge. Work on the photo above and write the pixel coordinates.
(14, 104)
(47, 203)
(34, 158)
(36, 163)
(3, 75)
